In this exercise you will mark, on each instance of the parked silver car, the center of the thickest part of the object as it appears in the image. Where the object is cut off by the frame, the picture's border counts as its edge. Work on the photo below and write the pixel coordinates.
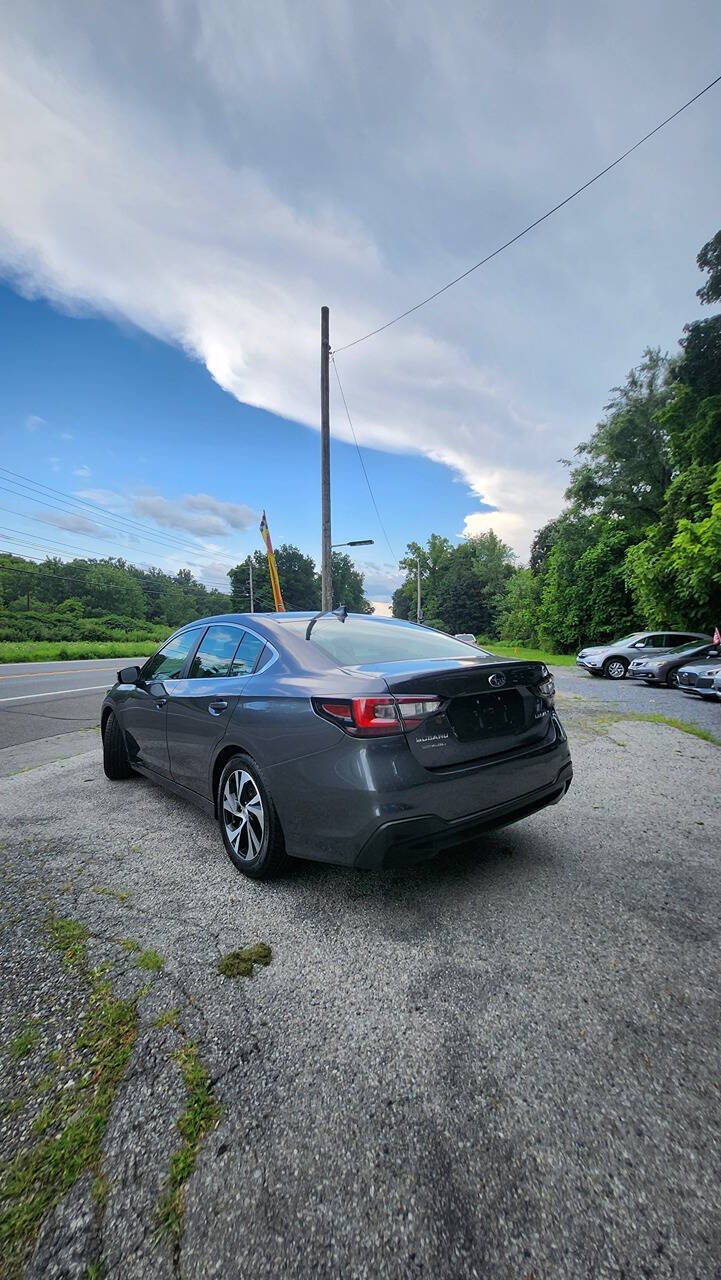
(613, 660)
(664, 670)
(717, 684)
(698, 677)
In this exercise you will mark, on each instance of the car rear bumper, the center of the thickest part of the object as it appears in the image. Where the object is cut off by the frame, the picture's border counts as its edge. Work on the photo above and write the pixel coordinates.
(371, 804)
(401, 843)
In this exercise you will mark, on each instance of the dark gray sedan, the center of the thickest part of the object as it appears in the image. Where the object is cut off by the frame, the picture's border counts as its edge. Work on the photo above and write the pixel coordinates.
(362, 741)
(665, 669)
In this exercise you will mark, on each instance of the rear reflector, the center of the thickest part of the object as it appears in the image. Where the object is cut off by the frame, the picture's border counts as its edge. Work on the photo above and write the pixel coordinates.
(376, 717)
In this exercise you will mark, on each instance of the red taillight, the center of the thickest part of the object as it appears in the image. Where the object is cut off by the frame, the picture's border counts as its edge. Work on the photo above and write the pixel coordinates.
(376, 717)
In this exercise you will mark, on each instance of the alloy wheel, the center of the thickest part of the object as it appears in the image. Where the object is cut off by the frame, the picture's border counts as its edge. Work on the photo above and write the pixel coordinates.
(615, 669)
(243, 815)
(672, 679)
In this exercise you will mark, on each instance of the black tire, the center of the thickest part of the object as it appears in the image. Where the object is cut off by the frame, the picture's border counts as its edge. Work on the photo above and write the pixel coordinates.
(615, 668)
(115, 754)
(672, 678)
(269, 858)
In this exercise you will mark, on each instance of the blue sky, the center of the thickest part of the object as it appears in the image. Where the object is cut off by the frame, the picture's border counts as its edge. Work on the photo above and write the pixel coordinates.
(201, 176)
(108, 413)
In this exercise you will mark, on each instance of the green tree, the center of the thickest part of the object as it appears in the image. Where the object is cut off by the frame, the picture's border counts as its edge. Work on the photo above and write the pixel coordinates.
(108, 589)
(518, 614)
(348, 584)
(625, 466)
(709, 259)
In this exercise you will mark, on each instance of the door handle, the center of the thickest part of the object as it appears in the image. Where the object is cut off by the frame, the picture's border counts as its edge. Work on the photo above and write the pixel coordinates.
(160, 703)
(217, 708)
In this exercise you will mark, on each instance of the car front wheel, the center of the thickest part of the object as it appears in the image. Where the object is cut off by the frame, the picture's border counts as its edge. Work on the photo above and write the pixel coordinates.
(115, 754)
(615, 668)
(249, 821)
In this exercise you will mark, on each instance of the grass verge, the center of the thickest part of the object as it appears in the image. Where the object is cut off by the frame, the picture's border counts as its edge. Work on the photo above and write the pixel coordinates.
(72, 1128)
(200, 1115)
(696, 731)
(60, 651)
(530, 655)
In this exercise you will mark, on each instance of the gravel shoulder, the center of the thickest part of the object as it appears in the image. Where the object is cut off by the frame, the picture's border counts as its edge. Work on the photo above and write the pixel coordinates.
(502, 1064)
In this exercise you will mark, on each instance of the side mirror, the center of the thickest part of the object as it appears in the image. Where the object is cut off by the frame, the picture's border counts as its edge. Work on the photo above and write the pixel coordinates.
(129, 675)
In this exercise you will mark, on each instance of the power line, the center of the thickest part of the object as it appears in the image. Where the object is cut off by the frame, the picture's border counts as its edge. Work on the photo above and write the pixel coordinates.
(150, 588)
(100, 514)
(532, 225)
(360, 457)
(81, 552)
(51, 546)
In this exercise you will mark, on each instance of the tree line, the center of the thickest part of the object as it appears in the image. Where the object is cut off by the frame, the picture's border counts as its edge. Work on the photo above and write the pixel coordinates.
(110, 599)
(638, 543)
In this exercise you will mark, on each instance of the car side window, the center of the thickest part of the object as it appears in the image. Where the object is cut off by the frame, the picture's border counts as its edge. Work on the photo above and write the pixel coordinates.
(215, 653)
(659, 641)
(246, 655)
(168, 662)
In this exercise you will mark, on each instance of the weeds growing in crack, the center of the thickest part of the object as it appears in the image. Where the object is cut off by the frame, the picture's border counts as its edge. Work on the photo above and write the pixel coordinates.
(240, 964)
(200, 1115)
(24, 1041)
(171, 1018)
(70, 1130)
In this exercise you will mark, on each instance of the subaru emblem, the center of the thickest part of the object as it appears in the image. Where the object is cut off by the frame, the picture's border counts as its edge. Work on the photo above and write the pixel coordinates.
(497, 680)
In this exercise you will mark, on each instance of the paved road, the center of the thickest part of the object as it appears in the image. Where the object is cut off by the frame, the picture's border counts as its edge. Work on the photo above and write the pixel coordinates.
(43, 699)
(500, 1065)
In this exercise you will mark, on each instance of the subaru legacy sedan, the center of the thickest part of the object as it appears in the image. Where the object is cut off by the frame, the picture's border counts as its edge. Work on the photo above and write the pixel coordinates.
(361, 741)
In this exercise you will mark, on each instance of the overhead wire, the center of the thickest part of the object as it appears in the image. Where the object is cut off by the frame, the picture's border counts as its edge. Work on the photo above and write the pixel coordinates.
(111, 519)
(532, 225)
(150, 588)
(360, 457)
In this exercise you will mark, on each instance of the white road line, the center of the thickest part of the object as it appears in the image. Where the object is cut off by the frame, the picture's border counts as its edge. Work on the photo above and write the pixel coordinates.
(24, 697)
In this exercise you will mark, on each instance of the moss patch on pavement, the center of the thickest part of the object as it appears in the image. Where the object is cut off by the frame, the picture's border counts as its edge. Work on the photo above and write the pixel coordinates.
(150, 960)
(240, 964)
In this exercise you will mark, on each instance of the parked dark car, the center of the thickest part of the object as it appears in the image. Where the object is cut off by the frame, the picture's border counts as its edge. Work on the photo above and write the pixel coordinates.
(612, 660)
(664, 670)
(366, 742)
(698, 677)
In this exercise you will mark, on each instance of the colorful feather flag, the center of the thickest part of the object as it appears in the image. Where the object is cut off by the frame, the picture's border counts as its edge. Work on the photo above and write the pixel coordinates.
(272, 568)
(717, 636)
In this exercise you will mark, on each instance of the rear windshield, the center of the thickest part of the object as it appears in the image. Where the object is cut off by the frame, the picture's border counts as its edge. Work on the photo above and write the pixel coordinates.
(359, 641)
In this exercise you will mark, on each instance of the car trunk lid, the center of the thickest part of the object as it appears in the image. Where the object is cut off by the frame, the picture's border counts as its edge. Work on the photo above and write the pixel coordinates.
(488, 707)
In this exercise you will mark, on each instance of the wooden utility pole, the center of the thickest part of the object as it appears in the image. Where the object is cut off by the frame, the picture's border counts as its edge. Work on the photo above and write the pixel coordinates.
(326, 587)
(250, 581)
(419, 610)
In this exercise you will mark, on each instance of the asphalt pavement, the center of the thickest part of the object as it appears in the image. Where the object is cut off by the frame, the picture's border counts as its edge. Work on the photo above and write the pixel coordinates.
(40, 700)
(500, 1065)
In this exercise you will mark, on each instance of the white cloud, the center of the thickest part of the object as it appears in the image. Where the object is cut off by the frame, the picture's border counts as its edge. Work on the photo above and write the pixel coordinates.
(213, 175)
(75, 524)
(197, 514)
(382, 608)
(107, 498)
(66, 435)
(54, 464)
(83, 472)
(32, 422)
(233, 513)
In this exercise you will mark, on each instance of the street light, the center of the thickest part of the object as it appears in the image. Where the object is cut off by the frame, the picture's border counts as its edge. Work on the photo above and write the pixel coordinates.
(357, 542)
